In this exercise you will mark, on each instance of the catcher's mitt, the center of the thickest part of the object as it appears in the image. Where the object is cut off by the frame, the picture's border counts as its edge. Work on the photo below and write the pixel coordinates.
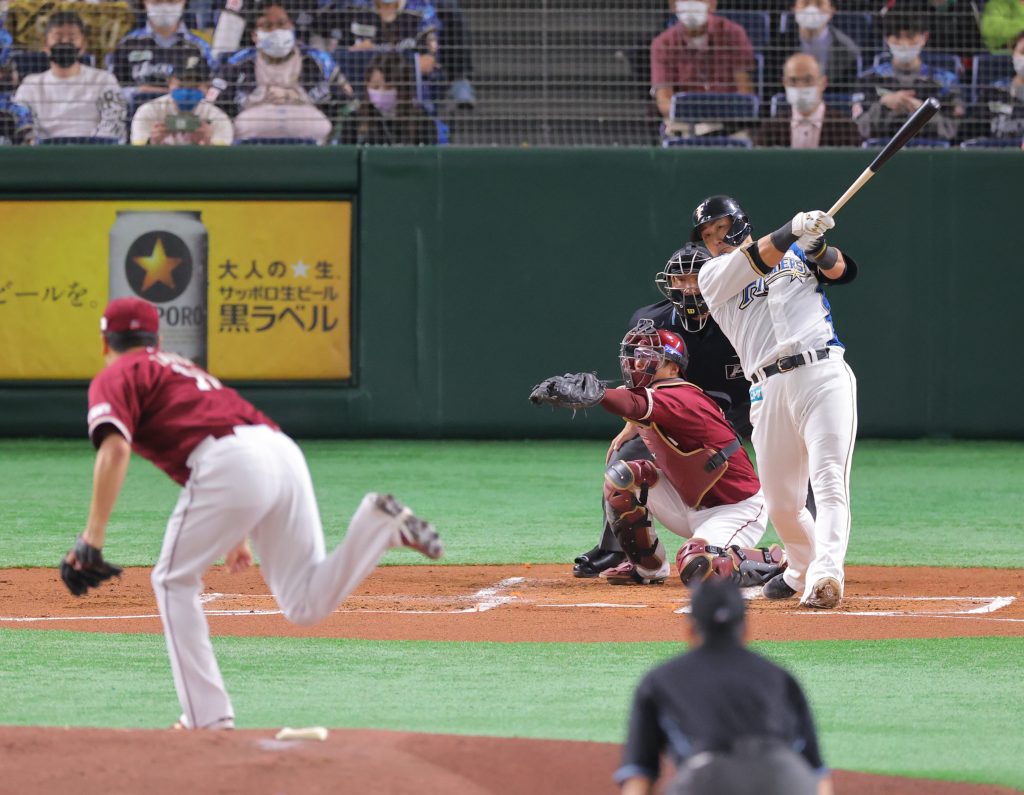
(94, 569)
(569, 391)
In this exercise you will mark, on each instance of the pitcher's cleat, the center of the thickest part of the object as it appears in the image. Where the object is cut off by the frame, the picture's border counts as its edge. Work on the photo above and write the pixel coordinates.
(415, 532)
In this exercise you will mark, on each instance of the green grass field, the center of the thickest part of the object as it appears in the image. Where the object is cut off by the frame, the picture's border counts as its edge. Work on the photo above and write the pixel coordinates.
(942, 708)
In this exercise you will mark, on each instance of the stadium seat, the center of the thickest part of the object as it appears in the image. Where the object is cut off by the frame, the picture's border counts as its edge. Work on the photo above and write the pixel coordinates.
(707, 141)
(757, 24)
(694, 107)
(991, 143)
(913, 143)
(987, 69)
(90, 140)
(275, 141)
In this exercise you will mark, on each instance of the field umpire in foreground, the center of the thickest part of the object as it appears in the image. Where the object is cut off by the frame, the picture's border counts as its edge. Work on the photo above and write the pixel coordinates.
(724, 737)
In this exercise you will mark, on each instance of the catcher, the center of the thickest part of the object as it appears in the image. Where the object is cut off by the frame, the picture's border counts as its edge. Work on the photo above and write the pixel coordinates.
(701, 484)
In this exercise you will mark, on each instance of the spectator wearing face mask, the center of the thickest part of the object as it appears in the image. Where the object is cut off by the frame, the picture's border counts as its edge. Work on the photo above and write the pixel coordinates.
(71, 99)
(952, 24)
(144, 59)
(810, 123)
(388, 113)
(999, 111)
(384, 24)
(183, 116)
(887, 94)
(279, 88)
(703, 52)
(810, 31)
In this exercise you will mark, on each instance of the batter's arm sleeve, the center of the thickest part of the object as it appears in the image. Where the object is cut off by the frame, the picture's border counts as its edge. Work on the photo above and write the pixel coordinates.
(725, 276)
(627, 403)
(641, 755)
(848, 275)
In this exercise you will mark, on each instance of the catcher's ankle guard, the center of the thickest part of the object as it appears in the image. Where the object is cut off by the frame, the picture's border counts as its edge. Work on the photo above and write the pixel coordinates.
(698, 560)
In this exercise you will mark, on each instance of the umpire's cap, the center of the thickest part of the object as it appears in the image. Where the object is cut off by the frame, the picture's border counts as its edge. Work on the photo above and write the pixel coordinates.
(717, 606)
(130, 315)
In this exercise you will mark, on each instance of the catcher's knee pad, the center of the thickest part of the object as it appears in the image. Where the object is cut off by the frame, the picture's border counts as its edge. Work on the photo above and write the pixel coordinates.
(637, 476)
(698, 560)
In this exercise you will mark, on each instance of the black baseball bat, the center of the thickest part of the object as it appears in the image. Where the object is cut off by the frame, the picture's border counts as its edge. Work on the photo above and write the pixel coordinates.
(910, 128)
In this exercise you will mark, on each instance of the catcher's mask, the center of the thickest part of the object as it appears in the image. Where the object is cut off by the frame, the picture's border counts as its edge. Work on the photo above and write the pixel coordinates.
(715, 207)
(678, 283)
(645, 348)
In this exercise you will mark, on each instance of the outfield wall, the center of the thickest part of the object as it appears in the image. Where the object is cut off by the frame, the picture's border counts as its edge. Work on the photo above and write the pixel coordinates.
(478, 272)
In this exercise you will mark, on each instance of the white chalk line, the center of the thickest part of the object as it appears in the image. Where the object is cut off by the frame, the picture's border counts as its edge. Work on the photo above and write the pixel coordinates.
(493, 597)
(483, 600)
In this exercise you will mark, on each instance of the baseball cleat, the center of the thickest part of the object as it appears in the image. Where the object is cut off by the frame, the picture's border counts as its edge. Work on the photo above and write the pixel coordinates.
(415, 532)
(596, 560)
(627, 574)
(777, 588)
(826, 594)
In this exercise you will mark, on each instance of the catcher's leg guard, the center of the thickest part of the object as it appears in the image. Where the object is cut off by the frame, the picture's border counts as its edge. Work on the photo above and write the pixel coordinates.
(698, 560)
(631, 524)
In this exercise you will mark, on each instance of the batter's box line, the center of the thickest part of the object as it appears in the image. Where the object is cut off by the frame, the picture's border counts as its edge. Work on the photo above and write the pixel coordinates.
(990, 604)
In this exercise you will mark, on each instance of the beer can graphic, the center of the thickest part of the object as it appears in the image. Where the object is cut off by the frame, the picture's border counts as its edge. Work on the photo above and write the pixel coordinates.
(161, 257)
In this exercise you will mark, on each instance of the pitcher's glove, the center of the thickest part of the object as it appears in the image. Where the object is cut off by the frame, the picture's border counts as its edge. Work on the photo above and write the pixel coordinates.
(94, 569)
(569, 391)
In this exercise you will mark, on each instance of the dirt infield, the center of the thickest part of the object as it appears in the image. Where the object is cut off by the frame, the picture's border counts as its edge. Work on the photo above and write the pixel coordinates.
(455, 603)
(349, 761)
(535, 603)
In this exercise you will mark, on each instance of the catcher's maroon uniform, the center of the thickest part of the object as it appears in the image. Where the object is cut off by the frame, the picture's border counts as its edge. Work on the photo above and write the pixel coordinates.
(701, 483)
(678, 422)
(165, 406)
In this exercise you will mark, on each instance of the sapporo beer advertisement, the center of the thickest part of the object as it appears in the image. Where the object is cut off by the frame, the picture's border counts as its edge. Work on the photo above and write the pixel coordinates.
(251, 290)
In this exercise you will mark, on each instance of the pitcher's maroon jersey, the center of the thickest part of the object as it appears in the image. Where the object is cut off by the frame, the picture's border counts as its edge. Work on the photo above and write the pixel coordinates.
(165, 405)
(677, 419)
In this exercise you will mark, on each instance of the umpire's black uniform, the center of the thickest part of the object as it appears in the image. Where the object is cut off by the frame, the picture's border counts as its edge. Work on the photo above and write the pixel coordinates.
(731, 721)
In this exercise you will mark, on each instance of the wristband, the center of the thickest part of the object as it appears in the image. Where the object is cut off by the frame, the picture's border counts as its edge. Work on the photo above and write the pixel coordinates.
(825, 258)
(783, 237)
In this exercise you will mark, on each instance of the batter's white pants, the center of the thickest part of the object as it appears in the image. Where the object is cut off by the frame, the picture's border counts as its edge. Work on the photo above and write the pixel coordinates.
(741, 523)
(806, 421)
(254, 483)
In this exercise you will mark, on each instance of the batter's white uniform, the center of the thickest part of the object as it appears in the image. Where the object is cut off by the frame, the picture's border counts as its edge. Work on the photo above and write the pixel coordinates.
(805, 419)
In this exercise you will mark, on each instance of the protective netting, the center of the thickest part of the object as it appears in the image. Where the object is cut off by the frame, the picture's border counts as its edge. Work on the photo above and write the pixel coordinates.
(739, 73)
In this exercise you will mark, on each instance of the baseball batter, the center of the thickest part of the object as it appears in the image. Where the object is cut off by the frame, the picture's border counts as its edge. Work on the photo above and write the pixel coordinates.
(767, 296)
(242, 479)
(699, 483)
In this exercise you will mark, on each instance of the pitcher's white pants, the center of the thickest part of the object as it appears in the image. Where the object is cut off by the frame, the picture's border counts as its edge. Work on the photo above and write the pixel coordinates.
(806, 421)
(254, 483)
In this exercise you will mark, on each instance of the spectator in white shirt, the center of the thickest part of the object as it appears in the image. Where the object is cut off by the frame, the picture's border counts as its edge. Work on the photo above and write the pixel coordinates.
(70, 99)
(183, 116)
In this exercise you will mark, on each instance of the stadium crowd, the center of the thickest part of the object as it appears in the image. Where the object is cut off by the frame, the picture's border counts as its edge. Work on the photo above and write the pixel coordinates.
(803, 74)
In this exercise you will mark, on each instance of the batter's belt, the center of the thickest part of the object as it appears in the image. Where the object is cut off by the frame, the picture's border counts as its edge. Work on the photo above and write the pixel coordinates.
(787, 363)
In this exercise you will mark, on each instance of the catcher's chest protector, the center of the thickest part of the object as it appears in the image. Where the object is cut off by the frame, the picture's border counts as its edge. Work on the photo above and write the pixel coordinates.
(686, 470)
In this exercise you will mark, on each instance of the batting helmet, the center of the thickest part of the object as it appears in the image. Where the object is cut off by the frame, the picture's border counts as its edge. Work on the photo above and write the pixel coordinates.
(684, 293)
(645, 348)
(715, 207)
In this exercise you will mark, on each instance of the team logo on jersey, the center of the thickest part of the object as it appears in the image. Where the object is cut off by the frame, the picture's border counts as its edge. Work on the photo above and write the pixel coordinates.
(790, 267)
(158, 266)
(733, 372)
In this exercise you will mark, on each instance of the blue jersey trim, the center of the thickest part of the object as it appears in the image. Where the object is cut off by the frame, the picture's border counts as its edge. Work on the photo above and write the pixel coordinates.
(627, 772)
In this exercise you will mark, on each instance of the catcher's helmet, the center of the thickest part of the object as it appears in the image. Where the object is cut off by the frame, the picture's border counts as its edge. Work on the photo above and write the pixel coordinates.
(715, 207)
(645, 348)
(684, 293)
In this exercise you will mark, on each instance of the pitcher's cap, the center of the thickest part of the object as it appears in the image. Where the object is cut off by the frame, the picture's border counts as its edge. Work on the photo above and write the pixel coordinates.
(130, 314)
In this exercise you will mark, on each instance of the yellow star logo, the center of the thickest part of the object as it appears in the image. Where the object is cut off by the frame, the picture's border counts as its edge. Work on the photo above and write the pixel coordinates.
(158, 267)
